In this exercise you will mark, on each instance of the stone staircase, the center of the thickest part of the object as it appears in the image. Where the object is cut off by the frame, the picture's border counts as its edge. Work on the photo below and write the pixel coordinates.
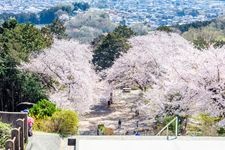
(123, 108)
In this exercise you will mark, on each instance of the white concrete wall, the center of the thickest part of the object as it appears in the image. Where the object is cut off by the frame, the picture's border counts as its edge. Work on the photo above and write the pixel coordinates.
(150, 143)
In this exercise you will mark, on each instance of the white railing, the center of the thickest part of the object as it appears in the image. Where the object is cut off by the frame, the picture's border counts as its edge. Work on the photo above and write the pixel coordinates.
(167, 128)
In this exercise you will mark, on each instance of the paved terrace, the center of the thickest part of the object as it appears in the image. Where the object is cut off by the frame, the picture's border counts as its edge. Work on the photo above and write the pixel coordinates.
(54, 142)
(148, 143)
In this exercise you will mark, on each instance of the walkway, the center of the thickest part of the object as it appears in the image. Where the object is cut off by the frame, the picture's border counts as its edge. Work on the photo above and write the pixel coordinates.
(120, 109)
(44, 141)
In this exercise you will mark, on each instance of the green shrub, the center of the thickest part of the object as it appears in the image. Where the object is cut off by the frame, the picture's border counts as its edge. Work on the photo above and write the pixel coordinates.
(65, 122)
(104, 130)
(203, 125)
(165, 29)
(218, 44)
(4, 133)
(32, 87)
(101, 128)
(43, 109)
(43, 125)
(163, 121)
(221, 131)
(58, 29)
(200, 43)
(108, 131)
(166, 120)
(208, 125)
(124, 31)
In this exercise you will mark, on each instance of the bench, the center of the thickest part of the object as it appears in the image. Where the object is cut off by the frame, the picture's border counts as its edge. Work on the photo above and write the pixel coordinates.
(126, 90)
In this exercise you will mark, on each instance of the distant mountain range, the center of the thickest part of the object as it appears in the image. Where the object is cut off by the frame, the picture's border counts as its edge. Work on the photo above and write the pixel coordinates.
(153, 12)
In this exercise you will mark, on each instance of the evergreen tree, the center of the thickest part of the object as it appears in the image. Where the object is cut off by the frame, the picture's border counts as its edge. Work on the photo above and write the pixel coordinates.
(111, 47)
(58, 29)
(17, 42)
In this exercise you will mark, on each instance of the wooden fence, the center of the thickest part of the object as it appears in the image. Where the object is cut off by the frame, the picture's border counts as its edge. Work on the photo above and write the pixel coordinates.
(17, 140)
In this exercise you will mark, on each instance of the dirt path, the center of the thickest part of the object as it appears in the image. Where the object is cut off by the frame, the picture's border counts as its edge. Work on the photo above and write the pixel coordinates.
(120, 109)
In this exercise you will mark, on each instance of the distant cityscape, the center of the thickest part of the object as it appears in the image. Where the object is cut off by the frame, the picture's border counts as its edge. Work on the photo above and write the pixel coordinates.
(153, 12)
(162, 12)
(26, 6)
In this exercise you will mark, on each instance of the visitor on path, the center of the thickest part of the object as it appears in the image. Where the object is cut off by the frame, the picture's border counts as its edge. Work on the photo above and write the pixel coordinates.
(30, 122)
(119, 123)
(109, 103)
(137, 124)
(111, 98)
(137, 113)
(137, 134)
(97, 131)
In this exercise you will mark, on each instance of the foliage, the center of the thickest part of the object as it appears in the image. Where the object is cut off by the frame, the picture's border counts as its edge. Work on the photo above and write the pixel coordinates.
(17, 43)
(20, 40)
(200, 43)
(140, 29)
(96, 41)
(85, 27)
(195, 25)
(81, 6)
(205, 126)
(43, 109)
(218, 44)
(108, 131)
(48, 35)
(18, 86)
(124, 32)
(32, 87)
(4, 133)
(65, 122)
(9, 24)
(75, 84)
(104, 130)
(47, 16)
(58, 29)
(43, 125)
(111, 47)
(162, 121)
(212, 32)
(165, 29)
(101, 128)
(221, 131)
(208, 124)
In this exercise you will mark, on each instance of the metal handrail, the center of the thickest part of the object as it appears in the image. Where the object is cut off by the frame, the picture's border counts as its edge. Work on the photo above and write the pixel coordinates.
(167, 128)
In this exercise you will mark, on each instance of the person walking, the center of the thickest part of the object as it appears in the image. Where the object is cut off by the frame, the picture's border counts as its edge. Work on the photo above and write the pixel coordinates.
(30, 123)
(111, 98)
(137, 124)
(109, 103)
(137, 134)
(98, 132)
(119, 123)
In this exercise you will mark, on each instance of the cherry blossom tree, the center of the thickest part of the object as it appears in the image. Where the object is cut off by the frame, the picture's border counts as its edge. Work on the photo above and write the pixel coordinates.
(179, 79)
(176, 78)
(68, 63)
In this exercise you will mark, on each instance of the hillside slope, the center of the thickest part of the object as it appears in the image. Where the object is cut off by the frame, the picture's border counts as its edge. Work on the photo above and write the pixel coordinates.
(175, 79)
